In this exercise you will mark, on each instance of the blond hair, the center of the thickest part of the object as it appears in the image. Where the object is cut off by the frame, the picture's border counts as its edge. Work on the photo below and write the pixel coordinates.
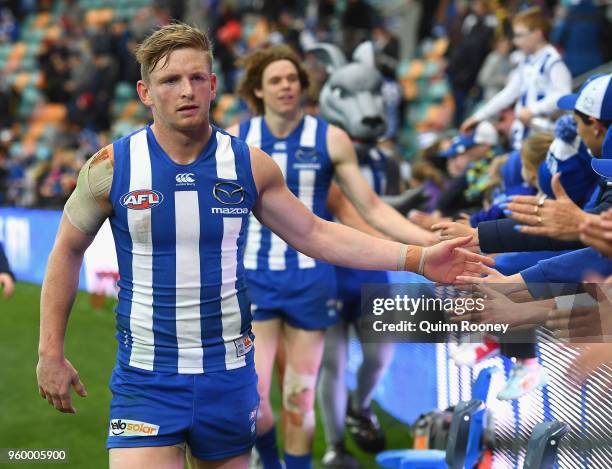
(162, 42)
(255, 64)
(534, 20)
(534, 149)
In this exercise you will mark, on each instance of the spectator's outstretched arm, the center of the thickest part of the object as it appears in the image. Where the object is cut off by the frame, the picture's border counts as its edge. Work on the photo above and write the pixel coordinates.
(503, 236)
(560, 275)
(502, 100)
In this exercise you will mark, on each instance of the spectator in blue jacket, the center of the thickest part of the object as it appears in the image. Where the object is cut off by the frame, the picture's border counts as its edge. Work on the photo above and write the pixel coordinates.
(597, 232)
(557, 276)
(547, 277)
(570, 157)
(559, 218)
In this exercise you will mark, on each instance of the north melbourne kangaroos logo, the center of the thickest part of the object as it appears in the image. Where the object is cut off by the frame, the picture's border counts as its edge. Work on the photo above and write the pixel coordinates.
(142, 199)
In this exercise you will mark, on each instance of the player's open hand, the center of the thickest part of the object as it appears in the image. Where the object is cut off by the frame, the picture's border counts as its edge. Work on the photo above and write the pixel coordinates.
(7, 285)
(447, 260)
(55, 377)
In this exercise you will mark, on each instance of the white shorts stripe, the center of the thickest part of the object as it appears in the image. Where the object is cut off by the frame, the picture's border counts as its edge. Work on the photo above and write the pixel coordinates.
(139, 222)
(188, 282)
(231, 318)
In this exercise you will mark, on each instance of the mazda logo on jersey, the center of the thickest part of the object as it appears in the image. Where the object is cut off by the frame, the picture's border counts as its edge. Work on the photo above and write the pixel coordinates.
(228, 193)
(306, 155)
(142, 199)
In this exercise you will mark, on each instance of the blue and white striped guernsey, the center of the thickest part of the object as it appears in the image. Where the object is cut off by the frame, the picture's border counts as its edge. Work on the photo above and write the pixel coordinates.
(535, 85)
(180, 233)
(373, 166)
(304, 160)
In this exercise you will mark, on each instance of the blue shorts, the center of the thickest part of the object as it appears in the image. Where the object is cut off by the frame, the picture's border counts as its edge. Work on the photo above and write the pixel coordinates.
(214, 413)
(304, 298)
(349, 289)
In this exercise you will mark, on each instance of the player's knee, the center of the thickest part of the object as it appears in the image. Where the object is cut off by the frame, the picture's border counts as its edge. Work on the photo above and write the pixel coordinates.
(330, 362)
(299, 397)
(374, 362)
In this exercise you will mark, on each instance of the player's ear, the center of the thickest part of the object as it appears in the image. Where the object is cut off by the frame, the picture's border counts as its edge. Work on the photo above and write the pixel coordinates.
(213, 86)
(258, 92)
(144, 93)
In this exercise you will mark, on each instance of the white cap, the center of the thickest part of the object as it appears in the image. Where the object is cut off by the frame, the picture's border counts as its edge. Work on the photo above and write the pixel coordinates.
(485, 133)
(593, 99)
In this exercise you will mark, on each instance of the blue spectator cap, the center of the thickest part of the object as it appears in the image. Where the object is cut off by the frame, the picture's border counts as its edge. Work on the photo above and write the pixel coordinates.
(603, 165)
(593, 99)
(484, 134)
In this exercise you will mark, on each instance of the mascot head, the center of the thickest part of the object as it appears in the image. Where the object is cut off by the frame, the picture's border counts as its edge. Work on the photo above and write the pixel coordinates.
(351, 98)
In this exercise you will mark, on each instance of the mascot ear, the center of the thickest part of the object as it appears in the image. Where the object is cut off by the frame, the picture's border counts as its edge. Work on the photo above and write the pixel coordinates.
(330, 55)
(364, 54)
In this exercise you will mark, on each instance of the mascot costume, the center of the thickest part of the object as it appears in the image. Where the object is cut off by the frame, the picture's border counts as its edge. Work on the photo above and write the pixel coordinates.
(351, 99)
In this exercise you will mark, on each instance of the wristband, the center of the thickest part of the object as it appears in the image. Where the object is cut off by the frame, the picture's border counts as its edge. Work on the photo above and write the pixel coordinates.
(422, 262)
(413, 259)
(401, 259)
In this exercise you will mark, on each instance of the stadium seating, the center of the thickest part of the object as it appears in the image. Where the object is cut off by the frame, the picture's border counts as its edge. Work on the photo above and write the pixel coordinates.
(544, 444)
(19, 63)
(462, 449)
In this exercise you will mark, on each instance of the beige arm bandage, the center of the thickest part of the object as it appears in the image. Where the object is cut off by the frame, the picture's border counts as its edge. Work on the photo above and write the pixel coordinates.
(89, 204)
(412, 259)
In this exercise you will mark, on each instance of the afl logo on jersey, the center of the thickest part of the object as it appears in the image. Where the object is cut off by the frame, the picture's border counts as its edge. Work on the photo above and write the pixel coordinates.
(142, 199)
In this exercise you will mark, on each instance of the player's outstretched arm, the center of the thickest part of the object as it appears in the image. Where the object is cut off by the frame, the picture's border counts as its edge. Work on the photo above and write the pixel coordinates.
(346, 213)
(84, 213)
(284, 214)
(370, 206)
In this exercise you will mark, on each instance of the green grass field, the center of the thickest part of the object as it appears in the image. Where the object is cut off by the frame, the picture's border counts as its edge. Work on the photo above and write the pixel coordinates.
(27, 421)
